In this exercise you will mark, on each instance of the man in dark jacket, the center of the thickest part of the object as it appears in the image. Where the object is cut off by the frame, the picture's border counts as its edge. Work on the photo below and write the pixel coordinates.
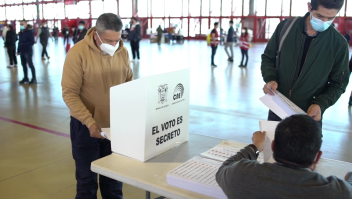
(135, 36)
(348, 37)
(229, 42)
(44, 34)
(80, 33)
(25, 43)
(313, 65)
(66, 33)
(10, 44)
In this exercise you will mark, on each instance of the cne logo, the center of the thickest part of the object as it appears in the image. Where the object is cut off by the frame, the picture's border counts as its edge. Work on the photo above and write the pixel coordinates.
(178, 92)
(162, 90)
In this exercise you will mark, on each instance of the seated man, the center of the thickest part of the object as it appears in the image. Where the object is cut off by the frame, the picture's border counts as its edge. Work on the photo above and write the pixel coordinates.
(297, 151)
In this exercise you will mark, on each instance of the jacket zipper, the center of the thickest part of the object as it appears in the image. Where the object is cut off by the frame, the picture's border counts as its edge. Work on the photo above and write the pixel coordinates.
(294, 72)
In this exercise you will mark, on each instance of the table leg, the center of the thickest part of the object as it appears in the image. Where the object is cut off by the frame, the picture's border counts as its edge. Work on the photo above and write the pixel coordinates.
(147, 195)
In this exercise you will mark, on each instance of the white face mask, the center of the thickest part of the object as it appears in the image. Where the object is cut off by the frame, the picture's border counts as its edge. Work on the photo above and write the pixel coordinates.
(107, 48)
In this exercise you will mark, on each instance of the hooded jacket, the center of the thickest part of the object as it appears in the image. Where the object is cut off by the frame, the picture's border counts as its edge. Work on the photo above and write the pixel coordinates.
(26, 40)
(11, 39)
(135, 33)
(87, 77)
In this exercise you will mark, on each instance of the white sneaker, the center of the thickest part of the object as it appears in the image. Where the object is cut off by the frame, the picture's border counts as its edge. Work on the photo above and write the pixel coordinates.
(11, 66)
(132, 60)
(137, 60)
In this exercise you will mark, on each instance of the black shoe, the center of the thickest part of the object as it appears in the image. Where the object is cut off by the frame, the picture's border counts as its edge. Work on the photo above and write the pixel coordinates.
(33, 81)
(230, 60)
(214, 65)
(24, 81)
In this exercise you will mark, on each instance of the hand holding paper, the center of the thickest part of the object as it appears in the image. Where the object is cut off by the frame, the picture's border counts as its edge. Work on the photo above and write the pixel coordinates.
(259, 140)
(315, 112)
(270, 88)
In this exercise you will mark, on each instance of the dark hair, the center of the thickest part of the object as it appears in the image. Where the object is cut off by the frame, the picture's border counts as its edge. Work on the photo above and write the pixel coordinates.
(11, 27)
(73, 26)
(134, 18)
(329, 4)
(82, 22)
(298, 139)
(108, 21)
(216, 23)
(231, 21)
(245, 32)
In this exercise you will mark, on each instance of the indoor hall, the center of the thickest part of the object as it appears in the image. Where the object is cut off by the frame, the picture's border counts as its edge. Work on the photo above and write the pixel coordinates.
(36, 156)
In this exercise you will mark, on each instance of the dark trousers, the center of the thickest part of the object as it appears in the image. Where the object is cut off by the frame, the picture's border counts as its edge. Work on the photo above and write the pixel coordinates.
(244, 54)
(66, 39)
(85, 150)
(11, 51)
(135, 49)
(44, 52)
(213, 52)
(26, 58)
(159, 39)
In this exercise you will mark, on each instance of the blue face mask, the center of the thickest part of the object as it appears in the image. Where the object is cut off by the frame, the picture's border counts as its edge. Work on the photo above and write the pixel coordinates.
(81, 27)
(21, 27)
(319, 25)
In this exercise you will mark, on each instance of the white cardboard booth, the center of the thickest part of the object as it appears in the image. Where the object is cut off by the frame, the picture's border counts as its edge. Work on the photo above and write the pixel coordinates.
(150, 115)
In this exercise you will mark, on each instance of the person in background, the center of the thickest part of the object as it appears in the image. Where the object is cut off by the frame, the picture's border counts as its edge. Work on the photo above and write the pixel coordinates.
(159, 30)
(4, 31)
(25, 50)
(296, 150)
(229, 42)
(348, 37)
(80, 33)
(350, 68)
(74, 33)
(134, 37)
(66, 33)
(55, 33)
(171, 34)
(214, 42)
(244, 46)
(10, 44)
(44, 34)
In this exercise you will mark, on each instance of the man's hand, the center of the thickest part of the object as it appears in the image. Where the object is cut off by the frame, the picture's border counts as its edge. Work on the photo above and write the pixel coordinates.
(315, 112)
(272, 85)
(95, 130)
(259, 140)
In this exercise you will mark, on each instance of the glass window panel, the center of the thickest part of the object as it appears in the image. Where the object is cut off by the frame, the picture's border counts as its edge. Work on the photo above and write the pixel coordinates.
(205, 7)
(126, 23)
(173, 8)
(60, 10)
(270, 27)
(185, 8)
(237, 8)
(2, 2)
(2, 14)
(215, 8)
(158, 8)
(177, 24)
(273, 8)
(143, 8)
(260, 7)
(225, 24)
(194, 8)
(226, 7)
(342, 11)
(71, 11)
(245, 8)
(299, 7)
(205, 27)
(286, 8)
(14, 13)
(83, 9)
(13, 1)
(54, 11)
(30, 12)
(97, 8)
(28, 1)
(194, 27)
(157, 22)
(110, 6)
(185, 27)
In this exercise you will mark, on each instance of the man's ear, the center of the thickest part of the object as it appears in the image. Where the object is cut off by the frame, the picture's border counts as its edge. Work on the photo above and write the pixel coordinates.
(272, 145)
(309, 7)
(317, 157)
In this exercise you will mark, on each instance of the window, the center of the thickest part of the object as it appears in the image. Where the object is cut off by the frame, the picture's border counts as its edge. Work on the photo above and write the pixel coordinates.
(184, 29)
(14, 13)
(71, 11)
(205, 27)
(30, 12)
(194, 27)
(185, 8)
(157, 22)
(97, 8)
(227, 7)
(245, 8)
(237, 8)
(110, 6)
(299, 8)
(2, 2)
(53, 11)
(225, 24)
(83, 9)
(158, 8)
(177, 23)
(13, 1)
(2, 14)
(173, 8)
(125, 8)
(143, 8)
(273, 8)
(215, 6)
(205, 8)
(194, 8)
(286, 8)
(270, 27)
(260, 7)
(342, 11)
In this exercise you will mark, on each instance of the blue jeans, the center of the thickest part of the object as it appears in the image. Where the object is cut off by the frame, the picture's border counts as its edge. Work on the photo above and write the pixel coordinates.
(26, 58)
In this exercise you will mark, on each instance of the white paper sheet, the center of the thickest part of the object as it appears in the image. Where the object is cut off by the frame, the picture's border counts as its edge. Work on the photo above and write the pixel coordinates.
(269, 127)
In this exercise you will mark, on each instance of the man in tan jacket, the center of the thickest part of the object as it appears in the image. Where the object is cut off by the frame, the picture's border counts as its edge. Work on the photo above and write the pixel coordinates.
(91, 67)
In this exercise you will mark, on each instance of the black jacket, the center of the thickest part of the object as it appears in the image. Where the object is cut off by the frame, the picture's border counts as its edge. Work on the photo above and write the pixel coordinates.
(66, 32)
(26, 40)
(135, 34)
(79, 35)
(11, 38)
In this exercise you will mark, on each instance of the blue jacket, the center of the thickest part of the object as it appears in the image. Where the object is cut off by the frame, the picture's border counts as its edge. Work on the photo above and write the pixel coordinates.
(230, 35)
(135, 34)
(26, 41)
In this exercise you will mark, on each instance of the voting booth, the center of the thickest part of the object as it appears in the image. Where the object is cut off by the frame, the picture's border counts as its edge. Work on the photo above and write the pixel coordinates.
(150, 115)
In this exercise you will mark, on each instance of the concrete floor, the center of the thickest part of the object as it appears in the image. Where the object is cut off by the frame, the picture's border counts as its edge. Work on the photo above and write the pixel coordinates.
(36, 160)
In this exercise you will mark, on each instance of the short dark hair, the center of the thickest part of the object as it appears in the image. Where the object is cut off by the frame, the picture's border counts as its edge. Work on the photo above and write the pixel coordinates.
(108, 21)
(231, 21)
(216, 23)
(329, 4)
(10, 26)
(82, 22)
(298, 139)
(134, 18)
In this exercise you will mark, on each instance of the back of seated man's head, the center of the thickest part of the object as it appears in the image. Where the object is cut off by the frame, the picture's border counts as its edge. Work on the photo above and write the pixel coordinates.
(297, 141)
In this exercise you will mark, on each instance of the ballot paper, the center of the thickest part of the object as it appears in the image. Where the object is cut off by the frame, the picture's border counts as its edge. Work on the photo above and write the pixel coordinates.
(105, 135)
(281, 105)
(269, 127)
(197, 175)
(224, 151)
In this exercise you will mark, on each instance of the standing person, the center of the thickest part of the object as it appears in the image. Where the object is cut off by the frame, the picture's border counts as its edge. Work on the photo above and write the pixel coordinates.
(44, 34)
(55, 33)
(66, 33)
(312, 68)
(214, 42)
(135, 37)
(229, 42)
(348, 37)
(91, 67)
(10, 44)
(81, 32)
(244, 46)
(4, 31)
(350, 68)
(171, 36)
(25, 50)
(160, 34)
(74, 34)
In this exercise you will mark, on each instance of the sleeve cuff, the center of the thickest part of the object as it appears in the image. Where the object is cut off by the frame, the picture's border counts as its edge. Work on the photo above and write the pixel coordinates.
(322, 103)
(270, 78)
(90, 122)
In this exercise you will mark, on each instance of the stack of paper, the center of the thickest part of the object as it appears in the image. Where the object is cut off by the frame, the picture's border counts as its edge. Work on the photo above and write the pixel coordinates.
(269, 127)
(281, 105)
(197, 175)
